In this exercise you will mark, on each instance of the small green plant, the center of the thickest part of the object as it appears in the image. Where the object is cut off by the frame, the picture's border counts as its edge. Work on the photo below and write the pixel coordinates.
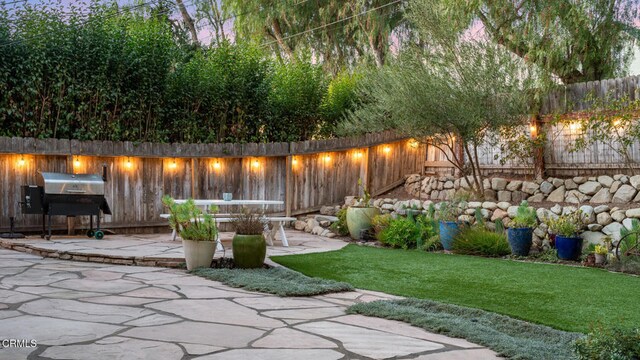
(190, 221)
(449, 211)
(365, 199)
(401, 233)
(477, 214)
(525, 217)
(340, 226)
(432, 244)
(479, 241)
(604, 343)
(248, 223)
(380, 222)
(427, 227)
(601, 250)
(630, 236)
(431, 211)
(567, 225)
(499, 226)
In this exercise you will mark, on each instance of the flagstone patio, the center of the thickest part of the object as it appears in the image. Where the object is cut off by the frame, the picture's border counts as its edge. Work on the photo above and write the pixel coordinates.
(151, 249)
(85, 310)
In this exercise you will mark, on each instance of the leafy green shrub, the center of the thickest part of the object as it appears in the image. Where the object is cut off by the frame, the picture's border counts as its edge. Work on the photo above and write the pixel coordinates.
(525, 217)
(401, 233)
(628, 265)
(427, 227)
(631, 235)
(432, 244)
(340, 226)
(567, 225)
(499, 226)
(478, 241)
(604, 343)
(380, 222)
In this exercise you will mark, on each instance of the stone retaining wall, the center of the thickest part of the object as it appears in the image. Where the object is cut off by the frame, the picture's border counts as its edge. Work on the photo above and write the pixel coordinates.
(602, 220)
(619, 189)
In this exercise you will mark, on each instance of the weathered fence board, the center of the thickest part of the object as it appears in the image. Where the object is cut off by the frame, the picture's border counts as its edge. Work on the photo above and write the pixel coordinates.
(140, 174)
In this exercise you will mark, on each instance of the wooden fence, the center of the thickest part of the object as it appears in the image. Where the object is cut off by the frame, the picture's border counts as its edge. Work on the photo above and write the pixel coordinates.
(305, 175)
(599, 158)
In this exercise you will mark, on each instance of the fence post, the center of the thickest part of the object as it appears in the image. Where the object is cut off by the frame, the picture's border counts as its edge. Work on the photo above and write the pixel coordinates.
(194, 162)
(538, 155)
(288, 186)
(459, 152)
(71, 220)
(367, 171)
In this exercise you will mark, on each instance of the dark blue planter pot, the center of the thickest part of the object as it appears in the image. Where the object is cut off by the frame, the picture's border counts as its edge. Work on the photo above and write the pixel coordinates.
(520, 240)
(569, 248)
(448, 232)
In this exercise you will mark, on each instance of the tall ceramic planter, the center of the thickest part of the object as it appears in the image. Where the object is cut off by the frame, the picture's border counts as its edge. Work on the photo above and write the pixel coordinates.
(198, 253)
(249, 251)
(520, 240)
(448, 232)
(359, 218)
(569, 248)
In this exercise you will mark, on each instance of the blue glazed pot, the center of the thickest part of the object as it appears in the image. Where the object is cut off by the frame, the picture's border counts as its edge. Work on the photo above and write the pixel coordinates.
(520, 240)
(448, 232)
(569, 248)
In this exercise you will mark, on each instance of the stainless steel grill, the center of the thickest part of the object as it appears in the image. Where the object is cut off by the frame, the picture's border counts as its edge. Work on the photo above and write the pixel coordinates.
(68, 195)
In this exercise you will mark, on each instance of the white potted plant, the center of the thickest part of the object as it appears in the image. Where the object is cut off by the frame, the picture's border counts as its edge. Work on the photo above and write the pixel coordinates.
(197, 229)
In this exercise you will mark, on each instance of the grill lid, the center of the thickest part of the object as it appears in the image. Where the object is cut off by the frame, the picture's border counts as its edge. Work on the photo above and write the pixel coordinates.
(71, 184)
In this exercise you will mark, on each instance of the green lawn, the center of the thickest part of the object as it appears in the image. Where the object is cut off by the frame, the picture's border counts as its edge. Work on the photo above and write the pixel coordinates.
(563, 297)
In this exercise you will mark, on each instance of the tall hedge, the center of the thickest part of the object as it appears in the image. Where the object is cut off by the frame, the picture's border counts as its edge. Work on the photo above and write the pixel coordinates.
(101, 73)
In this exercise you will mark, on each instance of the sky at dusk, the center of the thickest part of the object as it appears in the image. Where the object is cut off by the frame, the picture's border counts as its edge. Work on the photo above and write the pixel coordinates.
(205, 34)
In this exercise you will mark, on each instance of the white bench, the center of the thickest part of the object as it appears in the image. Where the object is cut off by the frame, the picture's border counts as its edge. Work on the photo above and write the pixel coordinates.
(277, 223)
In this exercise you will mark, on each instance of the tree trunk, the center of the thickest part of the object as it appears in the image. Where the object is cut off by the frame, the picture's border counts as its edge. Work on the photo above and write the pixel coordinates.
(188, 21)
(377, 49)
(277, 33)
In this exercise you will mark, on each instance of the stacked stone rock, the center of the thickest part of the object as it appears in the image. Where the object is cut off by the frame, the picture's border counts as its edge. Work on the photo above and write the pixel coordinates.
(617, 189)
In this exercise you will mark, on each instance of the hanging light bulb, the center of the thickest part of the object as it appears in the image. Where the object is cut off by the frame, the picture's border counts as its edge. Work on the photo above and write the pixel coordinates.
(76, 162)
(128, 164)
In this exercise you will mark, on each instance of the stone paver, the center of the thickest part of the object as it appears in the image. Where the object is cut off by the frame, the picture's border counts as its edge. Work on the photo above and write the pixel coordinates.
(80, 310)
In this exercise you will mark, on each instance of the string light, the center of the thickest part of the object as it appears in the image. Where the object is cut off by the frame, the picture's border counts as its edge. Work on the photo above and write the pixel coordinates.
(76, 162)
(387, 149)
(256, 164)
(21, 162)
(327, 158)
(173, 165)
(413, 144)
(294, 161)
(128, 164)
(532, 128)
(216, 165)
(358, 155)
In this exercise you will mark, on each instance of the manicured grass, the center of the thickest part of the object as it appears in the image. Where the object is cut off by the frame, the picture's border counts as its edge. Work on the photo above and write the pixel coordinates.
(563, 297)
(278, 281)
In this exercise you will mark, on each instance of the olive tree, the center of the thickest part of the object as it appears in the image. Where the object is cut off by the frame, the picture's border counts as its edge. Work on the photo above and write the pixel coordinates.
(457, 87)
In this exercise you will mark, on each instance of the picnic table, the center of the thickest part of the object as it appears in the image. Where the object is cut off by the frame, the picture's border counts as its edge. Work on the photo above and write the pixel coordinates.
(277, 222)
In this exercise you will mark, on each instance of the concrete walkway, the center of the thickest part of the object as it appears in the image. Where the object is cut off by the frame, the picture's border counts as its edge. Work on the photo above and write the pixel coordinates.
(84, 310)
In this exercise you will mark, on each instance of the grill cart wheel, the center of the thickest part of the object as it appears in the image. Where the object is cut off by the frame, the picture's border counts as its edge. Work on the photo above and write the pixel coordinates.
(90, 233)
(99, 235)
